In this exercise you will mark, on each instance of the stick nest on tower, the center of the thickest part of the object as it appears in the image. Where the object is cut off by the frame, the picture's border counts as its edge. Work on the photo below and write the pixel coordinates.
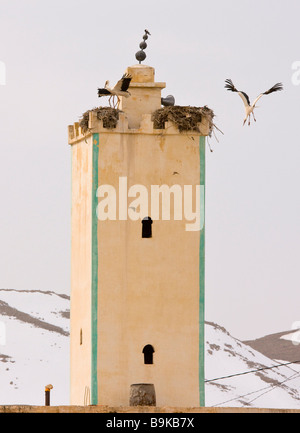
(108, 115)
(185, 118)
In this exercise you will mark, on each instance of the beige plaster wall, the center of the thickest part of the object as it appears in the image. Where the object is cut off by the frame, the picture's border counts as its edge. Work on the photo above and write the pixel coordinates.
(145, 94)
(148, 288)
(81, 270)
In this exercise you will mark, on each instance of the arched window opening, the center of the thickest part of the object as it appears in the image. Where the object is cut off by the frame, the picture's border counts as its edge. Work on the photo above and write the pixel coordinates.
(148, 354)
(147, 227)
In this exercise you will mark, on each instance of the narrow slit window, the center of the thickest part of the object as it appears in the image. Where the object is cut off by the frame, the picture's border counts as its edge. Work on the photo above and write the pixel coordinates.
(147, 227)
(148, 354)
(80, 337)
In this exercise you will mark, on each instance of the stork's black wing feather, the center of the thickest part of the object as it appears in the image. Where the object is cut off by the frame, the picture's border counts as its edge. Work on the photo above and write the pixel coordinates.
(277, 87)
(230, 86)
(246, 96)
(125, 82)
(103, 92)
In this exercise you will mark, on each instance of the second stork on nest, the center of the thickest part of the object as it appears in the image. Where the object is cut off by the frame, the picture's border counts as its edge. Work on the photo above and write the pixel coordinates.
(120, 89)
(249, 108)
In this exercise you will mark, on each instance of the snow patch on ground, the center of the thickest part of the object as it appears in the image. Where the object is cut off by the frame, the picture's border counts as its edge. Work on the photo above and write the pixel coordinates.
(32, 356)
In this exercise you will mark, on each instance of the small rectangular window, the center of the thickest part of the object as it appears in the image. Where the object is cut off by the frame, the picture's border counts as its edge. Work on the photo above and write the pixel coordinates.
(148, 354)
(147, 227)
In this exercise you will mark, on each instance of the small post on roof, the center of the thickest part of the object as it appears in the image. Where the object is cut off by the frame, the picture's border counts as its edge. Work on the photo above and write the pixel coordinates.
(47, 394)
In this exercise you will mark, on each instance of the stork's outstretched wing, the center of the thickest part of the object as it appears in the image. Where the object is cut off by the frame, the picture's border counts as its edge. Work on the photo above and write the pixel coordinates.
(123, 83)
(230, 86)
(103, 92)
(276, 88)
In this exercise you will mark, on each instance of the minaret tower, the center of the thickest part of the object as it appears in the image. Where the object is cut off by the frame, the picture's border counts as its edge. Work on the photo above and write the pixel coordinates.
(137, 284)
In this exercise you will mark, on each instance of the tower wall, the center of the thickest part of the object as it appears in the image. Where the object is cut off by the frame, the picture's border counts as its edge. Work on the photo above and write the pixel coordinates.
(129, 291)
(80, 328)
(148, 288)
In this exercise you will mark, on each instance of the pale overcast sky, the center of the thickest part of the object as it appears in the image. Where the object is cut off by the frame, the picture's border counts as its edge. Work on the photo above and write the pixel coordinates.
(56, 53)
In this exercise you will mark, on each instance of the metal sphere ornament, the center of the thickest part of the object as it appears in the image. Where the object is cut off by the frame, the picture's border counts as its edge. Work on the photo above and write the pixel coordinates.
(141, 55)
(143, 45)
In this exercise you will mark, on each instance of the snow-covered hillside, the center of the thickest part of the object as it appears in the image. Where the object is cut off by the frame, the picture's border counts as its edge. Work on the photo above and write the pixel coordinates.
(266, 388)
(34, 352)
(34, 347)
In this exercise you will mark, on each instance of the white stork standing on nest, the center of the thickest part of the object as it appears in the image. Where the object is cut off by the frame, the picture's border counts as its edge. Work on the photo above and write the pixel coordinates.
(248, 107)
(120, 89)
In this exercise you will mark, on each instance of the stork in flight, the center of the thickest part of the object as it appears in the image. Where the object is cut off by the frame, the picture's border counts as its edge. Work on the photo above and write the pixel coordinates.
(249, 108)
(120, 89)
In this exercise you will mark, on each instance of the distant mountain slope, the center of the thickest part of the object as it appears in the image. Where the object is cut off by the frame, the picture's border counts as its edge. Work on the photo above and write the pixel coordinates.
(7, 310)
(245, 377)
(34, 351)
(282, 345)
(34, 346)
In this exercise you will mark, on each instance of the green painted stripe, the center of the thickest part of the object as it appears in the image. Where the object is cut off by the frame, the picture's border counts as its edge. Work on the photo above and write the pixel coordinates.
(202, 275)
(94, 288)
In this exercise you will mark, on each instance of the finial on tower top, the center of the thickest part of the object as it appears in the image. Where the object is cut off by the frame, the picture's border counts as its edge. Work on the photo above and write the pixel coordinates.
(141, 55)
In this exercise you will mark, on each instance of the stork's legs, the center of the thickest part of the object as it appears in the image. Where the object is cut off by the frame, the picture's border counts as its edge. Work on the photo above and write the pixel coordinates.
(245, 120)
(113, 104)
(248, 117)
